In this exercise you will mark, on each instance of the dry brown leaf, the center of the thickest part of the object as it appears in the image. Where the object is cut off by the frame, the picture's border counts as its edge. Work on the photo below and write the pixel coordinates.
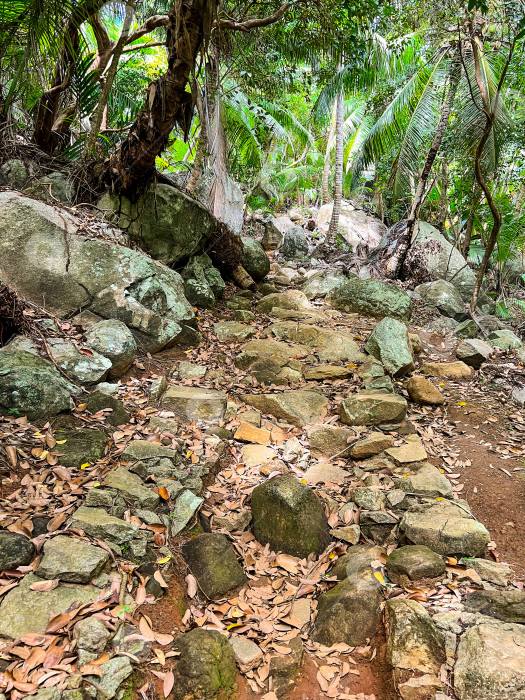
(169, 681)
(44, 585)
(191, 585)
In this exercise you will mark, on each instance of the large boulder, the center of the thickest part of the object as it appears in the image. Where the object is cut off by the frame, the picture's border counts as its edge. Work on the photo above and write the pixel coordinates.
(44, 260)
(431, 257)
(491, 663)
(372, 298)
(274, 231)
(289, 517)
(32, 386)
(295, 244)
(474, 352)
(389, 343)
(329, 345)
(300, 407)
(373, 409)
(444, 297)
(356, 227)
(322, 282)
(203, 283)
(255, 261)
(165, 222)
(52, 187)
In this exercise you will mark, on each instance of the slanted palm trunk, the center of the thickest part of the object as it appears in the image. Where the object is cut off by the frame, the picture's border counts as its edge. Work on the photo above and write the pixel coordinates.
(325, 193)
(396, 262)
(167, 101)
(339, 154)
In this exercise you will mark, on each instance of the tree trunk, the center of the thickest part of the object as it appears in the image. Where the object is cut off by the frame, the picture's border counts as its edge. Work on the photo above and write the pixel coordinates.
(339, 156)
(202, 143)
(519, 199)
(167, 101)
(108, 82)
(325, 193)
(442, 205)
(396, 262)
(469, 225)
(44, 135)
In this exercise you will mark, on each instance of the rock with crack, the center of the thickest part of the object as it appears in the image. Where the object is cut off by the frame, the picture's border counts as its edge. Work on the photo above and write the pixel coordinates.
(213, 562)
(47, 262)
(289, 517)
(372, 298)
(15, 550)
(190, 403)
(413, 563)
(113, 340)
(491, 663)
(71, 560)
(424, 392)
(349, 612)
(415, 647)
(205, 668)
(131, 488)
(474, 352)
(300, 407)
(447, 527)
(389, 343)
(24, 610)
(31, 386)
(284, 669)
(373, 409)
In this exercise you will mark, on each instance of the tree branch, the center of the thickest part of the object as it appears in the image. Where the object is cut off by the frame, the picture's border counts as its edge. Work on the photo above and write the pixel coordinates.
(250, 24)
(152, 23)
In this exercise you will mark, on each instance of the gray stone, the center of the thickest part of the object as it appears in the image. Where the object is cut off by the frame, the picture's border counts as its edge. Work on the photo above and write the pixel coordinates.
(31, 386)
(48, 263)
(99, 400)
(205, 668)
(15, 173)
(213, 562)
(505, 339)
(23, 610)
(232, 331)
(97, 523)
(203, 283)
(446, 527)
(414, 563)
(291, 299)
(146, 450)
(52, 187)
(329, 440)
(295, 244)
(15, 550)
(350, 533)
(356, 562)
(372, 298)
(129, 640)
(91, 634)
(371, 445)
(444, 297)
(185, 507)
(157, 388)
(131, 488)
(195, 404)
(427, 481)
(247, 654)
(289, 517)
(491, 571)
(389, 343)
(491, 663)
(474, 352)
(113, 340)
(274, 231)
(508, 606)
(284, 669)
(367, 498)
(322, 282)
(255, 261)
(81, 367)
(373, 409)
(467, 329)
(299, 407)
(78, 447)
(114, 673)
(71, 560)
(165, 222)
(414, 643)
(188, 370)
(328, 345)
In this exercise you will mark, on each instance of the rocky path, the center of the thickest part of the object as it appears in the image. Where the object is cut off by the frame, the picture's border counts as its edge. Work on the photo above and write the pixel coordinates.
(277, 513)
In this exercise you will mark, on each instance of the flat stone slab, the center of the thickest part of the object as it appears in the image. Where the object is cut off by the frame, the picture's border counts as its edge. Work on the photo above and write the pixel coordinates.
(457, 371)
(329, 345)
(325, 473)
(233, 331)
(146, 449)
(131, 488)
(195, 404)
(71, 560)
(185, 507)
(370, 446)
(322, 372)
(81, 446)
(446, 528)
(23, 611)
(97, 523)
(299, 407)
(213, 562)
(426, 481)
(373, 409)
(255, 455)
(15, 550)
(410, 453)
(414, 563)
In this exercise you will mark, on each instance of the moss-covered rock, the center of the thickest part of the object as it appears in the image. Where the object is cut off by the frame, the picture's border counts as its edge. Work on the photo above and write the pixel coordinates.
(414, 642)
(289, 517)
(205, 669)
(98, 401)
(213, 563)
(508, 606)
(255, 261)
(81, 446)
(389, 343)
(414, 563)
(372, 298)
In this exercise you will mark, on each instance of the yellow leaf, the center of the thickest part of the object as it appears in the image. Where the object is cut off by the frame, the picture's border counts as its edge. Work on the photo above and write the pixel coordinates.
(331, 555)
(44, 454)
(188, 454)
(61, 442)
(86, 464)
(234, 624)
(462, 403)
(379, 576)
(439, 498)
(96, 484)
(81, 406)
(165, 560)
(304, 481)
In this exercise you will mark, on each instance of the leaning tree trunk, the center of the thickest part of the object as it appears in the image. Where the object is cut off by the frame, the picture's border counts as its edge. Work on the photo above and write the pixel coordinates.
(396, 262)
(167, 101)
(339, 157)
